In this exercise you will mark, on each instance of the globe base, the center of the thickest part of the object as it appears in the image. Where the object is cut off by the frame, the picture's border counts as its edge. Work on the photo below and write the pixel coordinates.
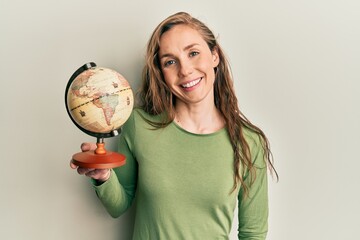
(91, 159)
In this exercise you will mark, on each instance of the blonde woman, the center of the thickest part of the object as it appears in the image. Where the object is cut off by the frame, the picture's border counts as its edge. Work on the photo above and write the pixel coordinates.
(190, 152)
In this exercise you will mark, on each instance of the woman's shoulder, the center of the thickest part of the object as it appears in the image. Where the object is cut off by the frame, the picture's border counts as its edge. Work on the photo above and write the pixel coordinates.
(139, 117)
(252, 137)
(255, 142)
(140, 114)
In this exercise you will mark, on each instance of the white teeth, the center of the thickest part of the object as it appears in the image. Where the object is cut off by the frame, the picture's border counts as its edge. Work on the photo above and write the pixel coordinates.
(190, 84)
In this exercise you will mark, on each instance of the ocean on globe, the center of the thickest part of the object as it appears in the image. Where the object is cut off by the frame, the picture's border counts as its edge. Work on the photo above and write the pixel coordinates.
(99, 100)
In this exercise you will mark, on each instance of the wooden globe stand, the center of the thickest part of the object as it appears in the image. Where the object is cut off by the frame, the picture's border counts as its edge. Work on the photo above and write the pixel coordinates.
(99, 158)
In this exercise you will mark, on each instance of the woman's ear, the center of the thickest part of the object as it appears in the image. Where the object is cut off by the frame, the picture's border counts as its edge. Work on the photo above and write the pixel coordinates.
(215, 57)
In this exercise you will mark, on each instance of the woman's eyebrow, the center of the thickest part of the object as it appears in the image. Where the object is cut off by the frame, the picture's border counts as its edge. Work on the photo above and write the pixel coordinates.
(190, 46)
(184, 49)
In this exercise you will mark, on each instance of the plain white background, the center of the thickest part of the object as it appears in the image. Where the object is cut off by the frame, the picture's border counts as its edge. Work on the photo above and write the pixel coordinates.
(296, 70)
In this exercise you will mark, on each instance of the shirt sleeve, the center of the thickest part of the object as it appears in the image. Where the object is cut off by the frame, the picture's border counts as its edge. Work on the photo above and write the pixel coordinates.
(253, 209)
(118, 192)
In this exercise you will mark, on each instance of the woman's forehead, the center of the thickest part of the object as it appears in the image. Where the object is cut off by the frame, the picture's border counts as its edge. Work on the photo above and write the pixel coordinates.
(180, 37)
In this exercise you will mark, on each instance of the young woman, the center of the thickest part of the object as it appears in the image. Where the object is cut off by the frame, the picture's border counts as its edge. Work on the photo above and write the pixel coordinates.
(190, 152)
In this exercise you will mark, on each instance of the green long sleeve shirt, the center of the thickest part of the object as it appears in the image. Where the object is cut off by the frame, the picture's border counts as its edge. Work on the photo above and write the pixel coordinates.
(182, 183)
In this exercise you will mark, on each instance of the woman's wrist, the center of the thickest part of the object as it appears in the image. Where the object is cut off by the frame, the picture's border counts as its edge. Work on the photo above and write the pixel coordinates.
(104, 179)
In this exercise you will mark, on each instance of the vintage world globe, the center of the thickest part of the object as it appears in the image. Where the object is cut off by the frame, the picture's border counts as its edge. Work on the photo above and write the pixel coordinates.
(98, 100)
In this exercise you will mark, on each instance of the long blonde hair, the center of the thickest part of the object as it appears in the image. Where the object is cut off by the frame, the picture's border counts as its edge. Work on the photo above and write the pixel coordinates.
(156, 98)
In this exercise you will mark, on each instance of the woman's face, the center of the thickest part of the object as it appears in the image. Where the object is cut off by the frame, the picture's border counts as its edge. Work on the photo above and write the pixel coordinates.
(188, 64)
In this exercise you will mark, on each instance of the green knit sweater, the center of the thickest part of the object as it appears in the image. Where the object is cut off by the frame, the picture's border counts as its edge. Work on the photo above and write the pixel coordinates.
(182, 183)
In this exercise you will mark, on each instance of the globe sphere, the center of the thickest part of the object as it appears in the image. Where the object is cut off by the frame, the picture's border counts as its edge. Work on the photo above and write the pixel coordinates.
(99, 101)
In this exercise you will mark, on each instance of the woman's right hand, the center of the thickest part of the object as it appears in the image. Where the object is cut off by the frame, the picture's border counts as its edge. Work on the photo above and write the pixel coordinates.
(101, 175)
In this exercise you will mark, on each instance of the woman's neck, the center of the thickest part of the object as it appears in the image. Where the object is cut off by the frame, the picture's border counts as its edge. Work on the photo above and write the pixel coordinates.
(199, 119)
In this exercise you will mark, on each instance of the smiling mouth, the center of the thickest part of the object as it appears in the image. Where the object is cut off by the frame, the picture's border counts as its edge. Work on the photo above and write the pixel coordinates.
(192, 83)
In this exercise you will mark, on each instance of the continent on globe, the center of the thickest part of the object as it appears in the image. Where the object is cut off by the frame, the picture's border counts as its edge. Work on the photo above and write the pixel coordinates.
(108, 105)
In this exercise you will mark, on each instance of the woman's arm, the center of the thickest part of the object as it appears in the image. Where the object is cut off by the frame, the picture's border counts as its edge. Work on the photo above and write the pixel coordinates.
(253, 209)
(118, 192)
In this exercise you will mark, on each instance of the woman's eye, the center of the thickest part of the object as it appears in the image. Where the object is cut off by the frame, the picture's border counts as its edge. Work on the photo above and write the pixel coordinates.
(168, 63)
(192, 54)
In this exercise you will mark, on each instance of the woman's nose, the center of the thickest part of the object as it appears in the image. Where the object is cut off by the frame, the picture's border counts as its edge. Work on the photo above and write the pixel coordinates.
(186, 68)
